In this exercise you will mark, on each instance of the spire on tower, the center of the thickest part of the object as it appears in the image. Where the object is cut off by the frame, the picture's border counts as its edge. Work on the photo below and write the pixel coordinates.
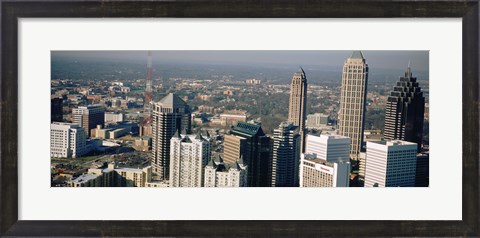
(408, 73)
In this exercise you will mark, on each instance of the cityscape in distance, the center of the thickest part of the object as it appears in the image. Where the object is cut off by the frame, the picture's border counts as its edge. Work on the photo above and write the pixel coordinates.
(227, 118)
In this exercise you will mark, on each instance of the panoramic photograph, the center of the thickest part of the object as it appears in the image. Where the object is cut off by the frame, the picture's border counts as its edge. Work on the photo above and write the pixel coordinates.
(227, 118)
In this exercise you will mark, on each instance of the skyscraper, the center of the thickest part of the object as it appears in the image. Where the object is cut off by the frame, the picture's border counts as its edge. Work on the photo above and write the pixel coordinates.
(189, 154)
(404, 113)
(297, 109)
(353, 101)
(390, 164)
(285, 155)
(89, 117)
(169, 115)
(256, 153)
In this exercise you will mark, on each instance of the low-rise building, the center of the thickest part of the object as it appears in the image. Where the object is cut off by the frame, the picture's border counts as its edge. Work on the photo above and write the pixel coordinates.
(112, 176)
(111, 117)
(87, 180)
(317, 120)
(143, 143)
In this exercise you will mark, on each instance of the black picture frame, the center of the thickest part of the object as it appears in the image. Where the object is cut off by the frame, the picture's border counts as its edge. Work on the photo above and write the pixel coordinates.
(11, 11)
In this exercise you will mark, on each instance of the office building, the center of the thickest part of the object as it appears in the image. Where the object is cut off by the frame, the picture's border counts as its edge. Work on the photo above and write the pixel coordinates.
(169, 115)
(353, 97)
(297, 109)
(316, 172)
(405, 110)
(286, 155)
(333, 148)
(390, 164)
(89, 117)
(220, 174)
(56, 109)
(67, 140)
(249, 140)
(189, 154)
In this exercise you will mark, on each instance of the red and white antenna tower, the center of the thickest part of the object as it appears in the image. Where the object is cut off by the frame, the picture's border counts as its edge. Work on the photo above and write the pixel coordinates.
(147, 102)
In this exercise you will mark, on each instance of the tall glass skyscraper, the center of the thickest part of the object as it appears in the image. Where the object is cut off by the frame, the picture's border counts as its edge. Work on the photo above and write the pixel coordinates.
(405, 109)
(353, 101)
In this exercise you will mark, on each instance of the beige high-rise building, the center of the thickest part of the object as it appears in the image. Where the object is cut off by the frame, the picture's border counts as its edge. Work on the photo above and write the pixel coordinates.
(353, 101)
(234, 147)
(297, 109)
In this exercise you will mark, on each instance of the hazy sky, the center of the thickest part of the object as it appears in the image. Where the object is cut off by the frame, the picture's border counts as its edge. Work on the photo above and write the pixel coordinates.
(419, 60)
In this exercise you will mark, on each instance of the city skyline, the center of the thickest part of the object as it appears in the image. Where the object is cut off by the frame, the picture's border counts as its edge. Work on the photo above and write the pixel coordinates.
(233, 130)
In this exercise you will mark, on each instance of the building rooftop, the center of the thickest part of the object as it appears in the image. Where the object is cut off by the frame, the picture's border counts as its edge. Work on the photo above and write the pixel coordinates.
(357, 55)
(248, 128)
(172, 100)
(85, 177)
(392, 142)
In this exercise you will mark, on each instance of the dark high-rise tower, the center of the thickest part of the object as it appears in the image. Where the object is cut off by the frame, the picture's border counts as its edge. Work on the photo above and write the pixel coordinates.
(404, 111)
(169, 115)
(56, 107)
(255, 147)
(297, 109)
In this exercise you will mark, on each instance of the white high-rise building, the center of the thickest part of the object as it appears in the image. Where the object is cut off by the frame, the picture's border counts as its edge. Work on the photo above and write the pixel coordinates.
(326, 162)
(315, 172)
(189, 155)
(333, 148)
(67, 140)
(220, 174)
(390, 164)
(353, 98)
